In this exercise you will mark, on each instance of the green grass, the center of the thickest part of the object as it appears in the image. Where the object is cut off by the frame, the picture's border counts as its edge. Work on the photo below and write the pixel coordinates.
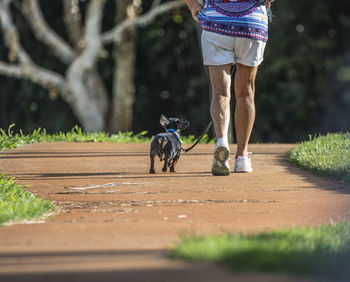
(17, 204)
(9, 139)
(327, 155)
(313, 250)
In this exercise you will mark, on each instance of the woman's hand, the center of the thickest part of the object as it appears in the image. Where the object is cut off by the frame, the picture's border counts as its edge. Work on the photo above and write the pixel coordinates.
(195, 8)
(268, 3)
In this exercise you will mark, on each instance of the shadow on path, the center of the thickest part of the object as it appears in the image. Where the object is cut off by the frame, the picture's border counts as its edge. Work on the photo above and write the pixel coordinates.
(322, 182)
(121, 266)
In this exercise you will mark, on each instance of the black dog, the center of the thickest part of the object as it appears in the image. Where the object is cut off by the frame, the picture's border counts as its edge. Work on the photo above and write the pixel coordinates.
(168, 145)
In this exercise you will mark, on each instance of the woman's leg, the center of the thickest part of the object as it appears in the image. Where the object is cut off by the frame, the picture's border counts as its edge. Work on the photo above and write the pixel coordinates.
(220, 77)
(245, 106)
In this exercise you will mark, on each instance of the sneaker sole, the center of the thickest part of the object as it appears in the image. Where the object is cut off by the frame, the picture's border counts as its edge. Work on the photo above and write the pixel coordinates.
(243, 171)
(221, 155)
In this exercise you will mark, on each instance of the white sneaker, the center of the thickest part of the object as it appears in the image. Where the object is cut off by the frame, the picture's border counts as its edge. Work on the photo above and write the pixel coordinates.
(220, 163)
(243, 164)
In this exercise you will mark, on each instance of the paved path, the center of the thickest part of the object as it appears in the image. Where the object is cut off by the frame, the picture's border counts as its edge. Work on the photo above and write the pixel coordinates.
(117, 222)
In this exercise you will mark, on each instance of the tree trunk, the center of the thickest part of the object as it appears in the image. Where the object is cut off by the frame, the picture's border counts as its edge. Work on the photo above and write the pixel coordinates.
(81, 86)
(88, 97)
(94, 118)
(124, 58)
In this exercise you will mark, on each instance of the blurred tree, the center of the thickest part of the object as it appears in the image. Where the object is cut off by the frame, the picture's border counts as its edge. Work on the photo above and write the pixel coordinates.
(124, 55)
(170, 78)
(80, 85)
(302, 86)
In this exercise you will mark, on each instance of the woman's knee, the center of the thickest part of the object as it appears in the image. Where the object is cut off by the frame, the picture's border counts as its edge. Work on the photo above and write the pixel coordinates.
(245, 91)
(245, 81)
(221, 92)
(220, 79)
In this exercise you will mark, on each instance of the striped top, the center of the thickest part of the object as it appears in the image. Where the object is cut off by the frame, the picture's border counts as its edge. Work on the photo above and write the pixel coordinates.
(238, 18)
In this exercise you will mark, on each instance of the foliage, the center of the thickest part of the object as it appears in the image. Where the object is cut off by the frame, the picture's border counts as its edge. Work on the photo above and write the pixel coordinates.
(28, 104)
(176, 85)
(327, 155)
(10, 140)
(191, 139)
(302, 86)
(317, 250)
(17, 204)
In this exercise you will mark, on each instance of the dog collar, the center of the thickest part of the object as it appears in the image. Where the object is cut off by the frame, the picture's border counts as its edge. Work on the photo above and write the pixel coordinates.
(177, 134)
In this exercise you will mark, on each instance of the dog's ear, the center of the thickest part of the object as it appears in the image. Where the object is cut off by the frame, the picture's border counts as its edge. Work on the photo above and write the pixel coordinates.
(164, 121)
(182, 124)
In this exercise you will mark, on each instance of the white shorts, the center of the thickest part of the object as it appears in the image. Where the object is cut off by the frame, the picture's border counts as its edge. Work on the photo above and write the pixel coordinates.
(221, 49)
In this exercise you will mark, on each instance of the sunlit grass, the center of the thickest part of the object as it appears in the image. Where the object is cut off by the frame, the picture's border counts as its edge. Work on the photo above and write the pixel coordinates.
(312, 250)
(9, 139)
(17, 204)
(326, 155)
